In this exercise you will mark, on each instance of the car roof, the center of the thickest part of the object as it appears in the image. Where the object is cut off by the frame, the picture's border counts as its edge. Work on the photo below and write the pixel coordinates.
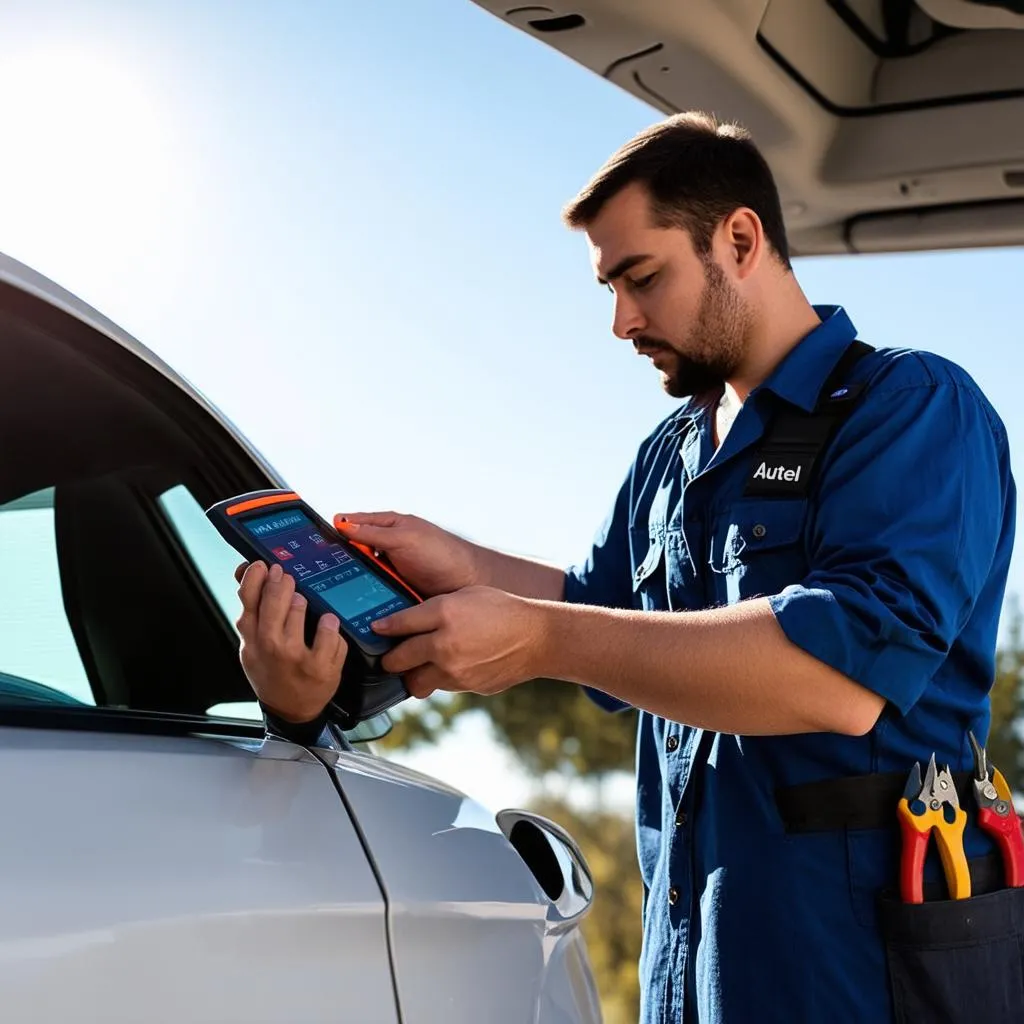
(25, 279)
(890, 125)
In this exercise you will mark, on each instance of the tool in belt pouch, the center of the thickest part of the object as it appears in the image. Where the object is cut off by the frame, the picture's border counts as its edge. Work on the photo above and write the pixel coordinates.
(954, 948)
(960, 958)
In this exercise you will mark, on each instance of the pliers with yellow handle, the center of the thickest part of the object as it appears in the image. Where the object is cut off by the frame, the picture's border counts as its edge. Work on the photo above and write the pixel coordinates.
(924, 807)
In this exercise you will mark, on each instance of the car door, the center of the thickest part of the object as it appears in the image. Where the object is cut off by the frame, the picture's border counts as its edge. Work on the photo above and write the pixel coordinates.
(181, 878)
(161, 860)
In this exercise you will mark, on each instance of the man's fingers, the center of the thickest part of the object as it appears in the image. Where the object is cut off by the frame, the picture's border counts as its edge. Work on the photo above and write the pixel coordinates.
(240, 572)
(367, 518)
(295, 623)
(372, 536)
(421, 682)
(329, 647)
(420, 618)
(409, 655)
(275, 602)
(250, 591)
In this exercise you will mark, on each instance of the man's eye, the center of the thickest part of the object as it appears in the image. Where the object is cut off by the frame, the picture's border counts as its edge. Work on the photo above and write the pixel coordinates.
(642, 282)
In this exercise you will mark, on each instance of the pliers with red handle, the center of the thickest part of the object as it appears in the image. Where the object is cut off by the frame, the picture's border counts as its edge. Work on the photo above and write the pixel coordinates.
(927, 806)
(997, 815)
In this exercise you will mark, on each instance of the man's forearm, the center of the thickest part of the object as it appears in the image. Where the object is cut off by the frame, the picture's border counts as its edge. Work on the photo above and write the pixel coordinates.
(517, 575)
(732, 670)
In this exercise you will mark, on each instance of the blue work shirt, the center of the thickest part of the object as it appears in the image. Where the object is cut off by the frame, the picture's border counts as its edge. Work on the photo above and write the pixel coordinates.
(892, 571)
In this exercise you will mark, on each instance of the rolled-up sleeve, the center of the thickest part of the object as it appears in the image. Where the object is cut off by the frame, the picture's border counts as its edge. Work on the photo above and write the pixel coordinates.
(916, 503)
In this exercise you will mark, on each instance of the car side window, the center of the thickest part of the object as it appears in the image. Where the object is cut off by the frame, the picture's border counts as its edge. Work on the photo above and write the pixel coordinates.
(40, 655)
(215, 561)
(39, 658)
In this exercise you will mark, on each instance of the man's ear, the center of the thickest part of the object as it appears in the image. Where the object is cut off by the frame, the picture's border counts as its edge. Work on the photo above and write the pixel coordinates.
(743, 242)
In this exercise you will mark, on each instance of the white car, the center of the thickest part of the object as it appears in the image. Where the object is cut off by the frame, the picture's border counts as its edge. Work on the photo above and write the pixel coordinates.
(162, 860)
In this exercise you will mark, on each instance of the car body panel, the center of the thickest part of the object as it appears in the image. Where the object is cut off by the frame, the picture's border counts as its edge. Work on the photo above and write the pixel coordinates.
(460, 894)
(170, 879)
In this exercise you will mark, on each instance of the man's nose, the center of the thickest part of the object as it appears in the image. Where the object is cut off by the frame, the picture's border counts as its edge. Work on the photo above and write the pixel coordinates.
(627, 319)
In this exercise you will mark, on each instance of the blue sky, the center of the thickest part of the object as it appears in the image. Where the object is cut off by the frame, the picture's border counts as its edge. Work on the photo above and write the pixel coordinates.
(341, 222)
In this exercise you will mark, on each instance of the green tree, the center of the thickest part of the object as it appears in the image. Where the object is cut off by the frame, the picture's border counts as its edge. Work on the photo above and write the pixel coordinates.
(1004, 745)
(612, 928)
(551, 726)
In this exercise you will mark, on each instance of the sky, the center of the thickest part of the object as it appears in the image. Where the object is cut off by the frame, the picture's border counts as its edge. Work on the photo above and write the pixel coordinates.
(340, 222)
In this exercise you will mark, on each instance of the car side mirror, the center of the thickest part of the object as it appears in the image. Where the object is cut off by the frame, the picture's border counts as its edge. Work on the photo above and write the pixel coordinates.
(555, 860)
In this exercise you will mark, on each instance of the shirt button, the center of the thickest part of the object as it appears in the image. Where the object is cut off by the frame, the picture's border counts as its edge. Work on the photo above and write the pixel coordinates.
(759, 530)
(673, 896)
(680, 818)
(671, 743)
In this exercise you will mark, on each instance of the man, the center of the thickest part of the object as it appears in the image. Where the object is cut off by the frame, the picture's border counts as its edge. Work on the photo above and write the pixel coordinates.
(777, 620)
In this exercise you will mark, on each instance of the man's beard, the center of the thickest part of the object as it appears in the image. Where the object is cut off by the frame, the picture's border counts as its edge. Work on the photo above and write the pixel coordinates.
(716, 346)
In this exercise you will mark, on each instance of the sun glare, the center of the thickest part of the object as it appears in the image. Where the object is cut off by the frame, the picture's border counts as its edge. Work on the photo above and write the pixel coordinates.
(88, 164)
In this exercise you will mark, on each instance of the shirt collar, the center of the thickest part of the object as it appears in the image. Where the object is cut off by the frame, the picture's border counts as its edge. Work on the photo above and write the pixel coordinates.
(799, 377)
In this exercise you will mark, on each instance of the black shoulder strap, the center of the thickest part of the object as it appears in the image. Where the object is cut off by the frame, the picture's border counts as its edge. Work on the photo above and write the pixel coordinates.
(791, 448)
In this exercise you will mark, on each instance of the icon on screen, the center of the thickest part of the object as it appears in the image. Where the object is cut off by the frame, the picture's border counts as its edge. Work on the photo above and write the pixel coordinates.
(282, 553)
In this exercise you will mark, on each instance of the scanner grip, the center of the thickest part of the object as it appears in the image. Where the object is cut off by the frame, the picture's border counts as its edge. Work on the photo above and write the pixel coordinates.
(365, 691)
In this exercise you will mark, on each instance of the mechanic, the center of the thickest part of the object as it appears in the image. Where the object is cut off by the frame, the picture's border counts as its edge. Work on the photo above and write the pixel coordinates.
(784, 605)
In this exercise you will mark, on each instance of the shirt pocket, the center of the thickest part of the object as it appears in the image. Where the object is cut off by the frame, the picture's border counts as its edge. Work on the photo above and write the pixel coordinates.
(648, 557)
(757, 548)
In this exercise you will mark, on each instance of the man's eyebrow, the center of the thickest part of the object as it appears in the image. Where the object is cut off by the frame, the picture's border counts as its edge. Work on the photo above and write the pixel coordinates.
(622, 266)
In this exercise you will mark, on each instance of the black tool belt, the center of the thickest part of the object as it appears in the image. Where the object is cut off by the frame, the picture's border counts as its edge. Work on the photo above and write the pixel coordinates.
(869, 801)
(853, 801)
(948, 960)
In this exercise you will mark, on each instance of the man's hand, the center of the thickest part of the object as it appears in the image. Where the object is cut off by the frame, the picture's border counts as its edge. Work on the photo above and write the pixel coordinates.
(432, 560)
(478, 640)
(292, 680)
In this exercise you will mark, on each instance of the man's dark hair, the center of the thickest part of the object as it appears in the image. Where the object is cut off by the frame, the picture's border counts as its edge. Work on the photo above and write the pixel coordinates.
(697, 171)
